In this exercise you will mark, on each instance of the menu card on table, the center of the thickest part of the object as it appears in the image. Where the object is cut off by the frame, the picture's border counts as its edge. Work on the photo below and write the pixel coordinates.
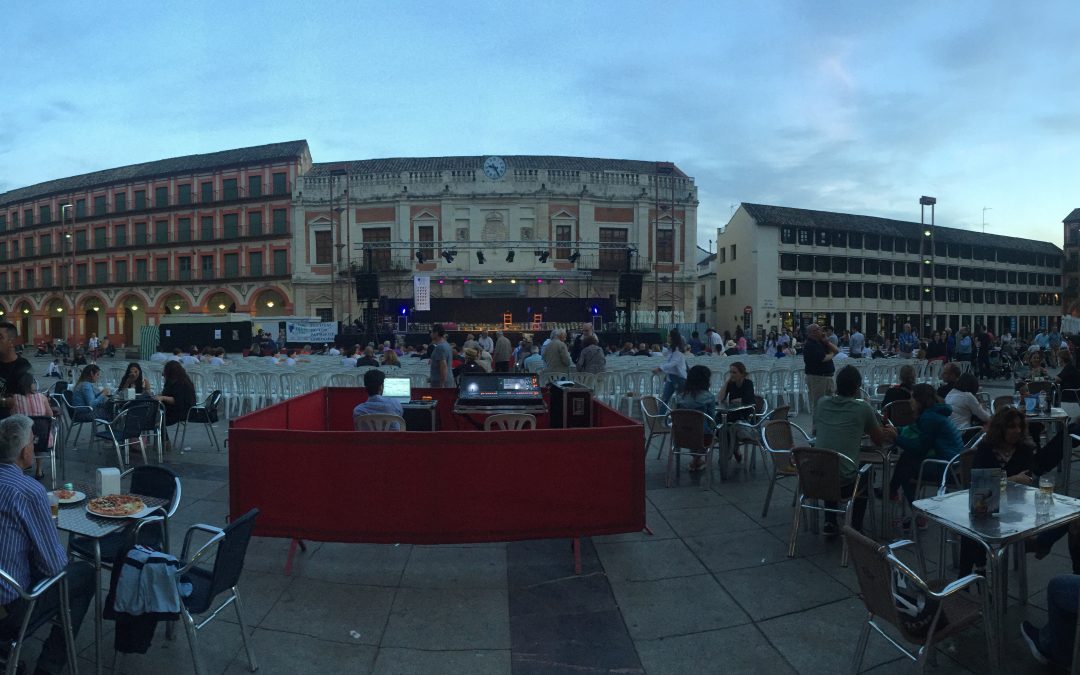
(984, 497)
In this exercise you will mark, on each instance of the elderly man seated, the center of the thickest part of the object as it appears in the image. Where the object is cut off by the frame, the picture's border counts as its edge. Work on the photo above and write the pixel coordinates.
(841, 420)
(30, 549)
(375, 403)
(950, 375)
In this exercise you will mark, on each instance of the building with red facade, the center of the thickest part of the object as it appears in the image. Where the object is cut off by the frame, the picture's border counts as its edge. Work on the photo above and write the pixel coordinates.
(111, 251)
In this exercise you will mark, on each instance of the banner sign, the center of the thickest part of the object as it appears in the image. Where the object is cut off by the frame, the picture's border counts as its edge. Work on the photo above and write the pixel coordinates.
(310, 331)
(422, 293)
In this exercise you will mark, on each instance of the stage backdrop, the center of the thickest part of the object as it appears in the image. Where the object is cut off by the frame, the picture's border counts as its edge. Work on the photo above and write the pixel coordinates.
(491, 310)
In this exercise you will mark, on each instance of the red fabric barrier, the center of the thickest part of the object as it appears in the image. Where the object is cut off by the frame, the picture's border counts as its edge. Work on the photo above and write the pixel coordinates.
(432, 487)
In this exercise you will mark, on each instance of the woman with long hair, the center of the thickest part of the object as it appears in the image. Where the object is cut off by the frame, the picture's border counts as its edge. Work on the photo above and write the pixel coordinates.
(26, 400)
(695, 395)
(935, 436)
(85, 395)
(177, 394)
(966, 409)
(390, 358)
(134, 379)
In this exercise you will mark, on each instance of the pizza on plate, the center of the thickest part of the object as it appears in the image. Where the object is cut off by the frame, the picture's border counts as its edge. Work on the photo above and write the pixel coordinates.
(116, 505)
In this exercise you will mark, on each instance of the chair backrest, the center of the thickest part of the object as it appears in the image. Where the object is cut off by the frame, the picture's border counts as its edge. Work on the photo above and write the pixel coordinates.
(510, 422)
(779, 413)
(1036, 387)
(959, 470)
(777, 435)
(154, 480)
(819, 472)
(874, 571)
(1001, 401)
(145, 415)
(688, 429)
(900, 413)
(229, 560)
(654, 412)
(883, 389)
(43, 430)
(761, 406)
(378, 422)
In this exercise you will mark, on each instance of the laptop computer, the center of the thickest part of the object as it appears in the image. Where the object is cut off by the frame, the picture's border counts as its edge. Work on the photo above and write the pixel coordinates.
(397, 388)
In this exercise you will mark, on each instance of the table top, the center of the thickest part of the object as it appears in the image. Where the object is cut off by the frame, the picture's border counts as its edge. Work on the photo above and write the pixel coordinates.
(74, 518)
(1054, 415)
(1015, 521)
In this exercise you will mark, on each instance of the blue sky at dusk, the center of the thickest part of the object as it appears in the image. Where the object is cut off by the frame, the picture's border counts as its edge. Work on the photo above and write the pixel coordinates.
(848, 106)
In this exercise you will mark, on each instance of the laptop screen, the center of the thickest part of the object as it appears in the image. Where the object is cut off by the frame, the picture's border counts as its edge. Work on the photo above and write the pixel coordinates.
(398, 388)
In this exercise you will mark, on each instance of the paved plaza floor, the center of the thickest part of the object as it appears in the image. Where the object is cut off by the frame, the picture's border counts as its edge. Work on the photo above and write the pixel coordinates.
(711, 590)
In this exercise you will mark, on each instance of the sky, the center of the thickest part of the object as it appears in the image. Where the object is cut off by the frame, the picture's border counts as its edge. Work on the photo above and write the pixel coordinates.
(858, 107)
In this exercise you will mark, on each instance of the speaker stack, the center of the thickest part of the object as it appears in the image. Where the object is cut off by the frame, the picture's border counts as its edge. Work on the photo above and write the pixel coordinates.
(367, 286)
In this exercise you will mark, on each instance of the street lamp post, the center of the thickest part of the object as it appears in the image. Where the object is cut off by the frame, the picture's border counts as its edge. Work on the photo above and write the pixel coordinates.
(69, 236)
(927, 260)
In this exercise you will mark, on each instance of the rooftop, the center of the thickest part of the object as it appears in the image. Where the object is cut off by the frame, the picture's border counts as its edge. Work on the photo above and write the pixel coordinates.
(1073, 217)
(475, 162)
(161, 167)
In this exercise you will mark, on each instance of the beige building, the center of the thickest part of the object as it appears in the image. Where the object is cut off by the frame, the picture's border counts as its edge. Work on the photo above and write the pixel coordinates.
(490, 227)
(786, 267)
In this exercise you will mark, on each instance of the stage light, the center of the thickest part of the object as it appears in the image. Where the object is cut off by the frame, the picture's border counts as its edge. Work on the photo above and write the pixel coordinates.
(480, 257)
(404, 310)
(510, 256)
(490, 281)
(448, 256)
(544, 255)
(464, 281)
(574, 256)
(539, 281)
(420, 257)
(441, 281)
(595, 310)
(562, 281)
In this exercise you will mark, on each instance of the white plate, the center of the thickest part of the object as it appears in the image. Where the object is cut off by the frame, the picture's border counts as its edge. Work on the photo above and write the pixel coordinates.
(138, 514)
(79, 496)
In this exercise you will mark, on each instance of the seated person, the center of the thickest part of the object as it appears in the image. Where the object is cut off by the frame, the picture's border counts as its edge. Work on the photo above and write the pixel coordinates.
(1053, 643)
(375, 403)
(934, 437)
(32, 550)
(696, 396)
(472, 362)
(1069, 378)
(85, 395)
(1038, 370)
(134, 379)
(177, 394)
(841, 421)
(901, 391)
(950, 373)
(368, 359)
(966, 409)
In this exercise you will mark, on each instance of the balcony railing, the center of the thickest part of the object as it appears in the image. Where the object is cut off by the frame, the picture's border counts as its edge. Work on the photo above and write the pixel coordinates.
(63, 282)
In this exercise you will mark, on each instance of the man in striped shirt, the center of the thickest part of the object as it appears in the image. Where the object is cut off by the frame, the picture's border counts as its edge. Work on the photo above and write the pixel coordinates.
(30, 548)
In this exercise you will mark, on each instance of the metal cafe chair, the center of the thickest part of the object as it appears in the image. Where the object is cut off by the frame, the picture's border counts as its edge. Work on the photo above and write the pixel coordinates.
(31, 625)
(205, 413)
(228, 546)
(880, 573)
(123, 431)
(688, 433)
(655, 413)
(509, 422)
(900, 413)
(818, 470)
(777, 441)
(378, 422)
(45, 439)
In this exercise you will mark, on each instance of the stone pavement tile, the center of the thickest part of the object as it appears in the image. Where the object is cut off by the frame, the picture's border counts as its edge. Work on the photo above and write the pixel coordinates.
(259, 591)
(395, 661)
(793, 585)
(286, 653)
(822, 640)
(448, 619)
(750, 548)
(665, 607)
(589, 641)
(331, 611)
(219, 643)
(202, 511)
(541, 560)
(193, 489)
(698, 522)
(654, 520)
(829, 563)
(221, 494)
(741, 649)
(807, 543)
(572, 594)
(455, 567)
(361, 564)
(268, 554)
(970, 651)
(683, 498)
(646, 560)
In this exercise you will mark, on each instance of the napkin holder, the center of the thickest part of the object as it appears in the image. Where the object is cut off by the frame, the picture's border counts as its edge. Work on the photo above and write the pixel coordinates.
(129, 394)
(108, 481)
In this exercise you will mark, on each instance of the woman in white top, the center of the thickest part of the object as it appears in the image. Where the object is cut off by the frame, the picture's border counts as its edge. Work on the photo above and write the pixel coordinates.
(674, 367)
(965, 406)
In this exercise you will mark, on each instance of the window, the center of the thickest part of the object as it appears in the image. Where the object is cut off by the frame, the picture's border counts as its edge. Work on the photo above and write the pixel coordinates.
(120, 235)
(161, 269)
(954, 250)
(206, 228)
(254, 186)
(255, 266)
(854, 289)
(46, 244)
(886, 243)
(855, 266)
(372, 238)
(183, 267)
(140, 234)
(870, 291)
(964, 294)
(1012, 277)
(207, 266)
(839, 289)
(121, 271)
(912, 246)
(899, 269)
(788, 262)
(46, 277)
(80, 240)
(14, 220)
(28, 247)
(613, 252)
(99, 205)
(723, 254)
(562, 237)
(977, 295)
(823, 238)
(913, 269)
(733, 251)
(100, 238)
(806, 262)
(80, 274)
(885, 291)
(3, 222)
(871, 242)
(230, 225)
(839, 265)
(665, 245)
(80, 208)
(228, 189)
(733, 286)
(3, 250)
(183, 229)
(900, 292)
(280, 185)
(912, 292)
(425, 234)
(806, 289)
(119, 202)
(281, 262)
(1001, 275)
(822, 263)
(821, 289)
(28, 217)
(280, 223)
(232, 265)
(254, 223)
(161, 232)
(45, 214)
(183, 194)
(721, 288)
(870, 267)
(323, 244)
(940, 293)
(29, 275)
(140, 200)
(15, 249)
(839, 239)
(140, 270)
(953, 272)
(855, 240)
(787, 288)
(101, 273)
(804, 236)
(787, 235)
(206, 192)
(161, 196)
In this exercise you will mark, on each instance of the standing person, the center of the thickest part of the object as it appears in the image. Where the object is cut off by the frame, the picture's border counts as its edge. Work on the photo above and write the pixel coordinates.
(674, 367)
(950, 345)
(818, 355)
(177, 394)
(579, 341)
(31, 548)
(856, 344)
(592, 359)
(485, 341)
(500, 355)
(907, 341)
(965, 346)
(935, 351)
(985, 343)
(715, 341)
(557, 356)
(441, 375)
(1054, 338)
(11, 364)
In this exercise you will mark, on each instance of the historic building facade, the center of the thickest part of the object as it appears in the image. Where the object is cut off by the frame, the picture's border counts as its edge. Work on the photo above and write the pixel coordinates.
(495, 227)
(1071, 298)
(787, 267)
(108, 252)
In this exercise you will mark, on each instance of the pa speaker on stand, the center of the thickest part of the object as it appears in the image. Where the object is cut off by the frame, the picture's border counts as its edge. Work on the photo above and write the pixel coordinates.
(630, 286)
(367, 287)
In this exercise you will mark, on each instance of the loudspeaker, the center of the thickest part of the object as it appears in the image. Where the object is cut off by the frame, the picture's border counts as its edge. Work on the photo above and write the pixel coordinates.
(630, 286)
(367, 286)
